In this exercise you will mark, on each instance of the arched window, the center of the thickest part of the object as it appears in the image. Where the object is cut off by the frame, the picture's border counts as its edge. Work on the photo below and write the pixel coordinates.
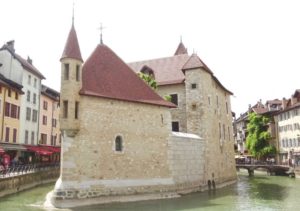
(119, 144)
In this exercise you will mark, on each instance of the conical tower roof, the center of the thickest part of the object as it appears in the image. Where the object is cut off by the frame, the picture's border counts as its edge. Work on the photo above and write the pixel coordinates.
(72, 49)
(181, 49)
(105, 75)
(195, 62)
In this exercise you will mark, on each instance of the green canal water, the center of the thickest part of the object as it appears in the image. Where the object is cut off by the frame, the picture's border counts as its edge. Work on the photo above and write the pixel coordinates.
(260, 192)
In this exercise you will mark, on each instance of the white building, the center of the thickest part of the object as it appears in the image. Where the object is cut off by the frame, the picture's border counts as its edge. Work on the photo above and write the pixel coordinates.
(21, 71)
(288, 125)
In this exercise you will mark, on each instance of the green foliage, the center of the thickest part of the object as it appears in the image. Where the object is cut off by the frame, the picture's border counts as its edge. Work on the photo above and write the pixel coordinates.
(148, 79)
(168, 98)
(258, 137)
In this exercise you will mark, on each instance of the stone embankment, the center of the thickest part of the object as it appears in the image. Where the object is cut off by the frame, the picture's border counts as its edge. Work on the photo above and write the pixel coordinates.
(15, 183)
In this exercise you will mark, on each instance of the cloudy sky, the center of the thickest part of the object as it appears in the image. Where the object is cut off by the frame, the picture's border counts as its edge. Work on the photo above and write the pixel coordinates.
(252, 46)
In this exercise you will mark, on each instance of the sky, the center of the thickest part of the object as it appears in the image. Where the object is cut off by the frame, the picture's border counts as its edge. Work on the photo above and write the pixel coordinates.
(252, 46)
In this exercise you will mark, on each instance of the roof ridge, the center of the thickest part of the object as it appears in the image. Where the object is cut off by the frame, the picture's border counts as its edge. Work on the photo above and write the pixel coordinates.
(159, 58)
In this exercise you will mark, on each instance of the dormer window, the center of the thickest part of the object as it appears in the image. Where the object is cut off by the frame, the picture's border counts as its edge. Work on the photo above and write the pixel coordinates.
(148, 71)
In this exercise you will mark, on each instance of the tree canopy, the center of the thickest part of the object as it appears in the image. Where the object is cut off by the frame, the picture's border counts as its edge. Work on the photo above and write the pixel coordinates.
(258, 138)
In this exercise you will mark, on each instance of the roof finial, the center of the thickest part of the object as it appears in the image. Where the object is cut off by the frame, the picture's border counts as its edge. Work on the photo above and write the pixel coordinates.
(101, 29)
(73, 13)
(180, 38)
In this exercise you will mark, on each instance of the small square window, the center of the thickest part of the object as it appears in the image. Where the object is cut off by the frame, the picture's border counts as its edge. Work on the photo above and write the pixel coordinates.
(175, 126)
(194, 86)
(174, 99)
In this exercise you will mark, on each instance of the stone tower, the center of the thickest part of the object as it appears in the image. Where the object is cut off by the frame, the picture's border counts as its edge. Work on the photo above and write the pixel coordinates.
(71, 83)
(209, 115)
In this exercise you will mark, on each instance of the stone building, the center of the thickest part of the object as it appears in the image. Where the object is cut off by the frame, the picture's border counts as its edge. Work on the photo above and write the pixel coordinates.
(203, 106)
(117, 140)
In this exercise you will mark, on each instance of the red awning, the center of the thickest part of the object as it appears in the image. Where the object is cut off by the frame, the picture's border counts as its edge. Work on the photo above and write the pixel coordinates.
(38, 150)
(52, 149)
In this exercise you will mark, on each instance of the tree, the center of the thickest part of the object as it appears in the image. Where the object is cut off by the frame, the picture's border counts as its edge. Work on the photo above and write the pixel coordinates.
(148, 79)
(258, 138)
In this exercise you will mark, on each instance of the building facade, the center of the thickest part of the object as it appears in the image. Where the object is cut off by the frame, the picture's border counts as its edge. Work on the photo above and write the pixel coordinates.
(288, 127)
(203, 106)
(49, 117)
(10, 100)
(22, 71)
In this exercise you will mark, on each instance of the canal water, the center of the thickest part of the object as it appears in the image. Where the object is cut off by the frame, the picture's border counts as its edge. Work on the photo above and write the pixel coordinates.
(260, 192)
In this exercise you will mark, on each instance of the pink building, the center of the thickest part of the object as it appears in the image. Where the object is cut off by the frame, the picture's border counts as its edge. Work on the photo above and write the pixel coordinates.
(49, 133)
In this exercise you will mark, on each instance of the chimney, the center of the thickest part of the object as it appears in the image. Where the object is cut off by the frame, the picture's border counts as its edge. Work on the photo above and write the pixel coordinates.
(29, 60)
(284, 102)
(11, 45)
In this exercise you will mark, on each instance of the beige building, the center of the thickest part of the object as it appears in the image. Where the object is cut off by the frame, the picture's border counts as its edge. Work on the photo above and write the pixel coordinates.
(10, 99)
(203, 107)
(49, 117)
(117, 140)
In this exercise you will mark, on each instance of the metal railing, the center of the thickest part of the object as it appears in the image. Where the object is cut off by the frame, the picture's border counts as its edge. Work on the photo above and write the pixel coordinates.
(16, 170)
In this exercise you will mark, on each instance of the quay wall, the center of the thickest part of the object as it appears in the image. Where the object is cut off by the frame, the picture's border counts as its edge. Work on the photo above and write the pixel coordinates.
(14, 184)
(185, 161)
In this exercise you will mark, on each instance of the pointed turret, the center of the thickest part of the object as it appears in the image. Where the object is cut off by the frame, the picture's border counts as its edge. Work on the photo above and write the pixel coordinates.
(72, 49)
(181, 49)
(71, 66)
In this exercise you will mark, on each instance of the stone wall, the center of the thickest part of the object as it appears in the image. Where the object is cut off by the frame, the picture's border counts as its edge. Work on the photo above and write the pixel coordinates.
(185, 161)
(179, 113)
(14, 184)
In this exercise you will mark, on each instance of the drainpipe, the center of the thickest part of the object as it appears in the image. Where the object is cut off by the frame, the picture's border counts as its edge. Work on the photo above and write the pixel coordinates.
(3, 113)
(38, 111)
(52, 123)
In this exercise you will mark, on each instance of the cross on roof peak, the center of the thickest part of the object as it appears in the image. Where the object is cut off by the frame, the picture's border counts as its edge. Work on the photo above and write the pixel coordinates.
(101, 29)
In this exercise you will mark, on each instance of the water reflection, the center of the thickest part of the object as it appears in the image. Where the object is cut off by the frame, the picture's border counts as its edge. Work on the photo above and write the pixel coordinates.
(256, 193)
(267, 191)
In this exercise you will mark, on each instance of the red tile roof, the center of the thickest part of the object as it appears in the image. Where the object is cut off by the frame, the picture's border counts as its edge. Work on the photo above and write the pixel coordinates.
(166, 70)
(296, 93)
(104, 74)
(260, 110)
(181, 49)
(169, 70)
(195, 62)
(72, 49)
